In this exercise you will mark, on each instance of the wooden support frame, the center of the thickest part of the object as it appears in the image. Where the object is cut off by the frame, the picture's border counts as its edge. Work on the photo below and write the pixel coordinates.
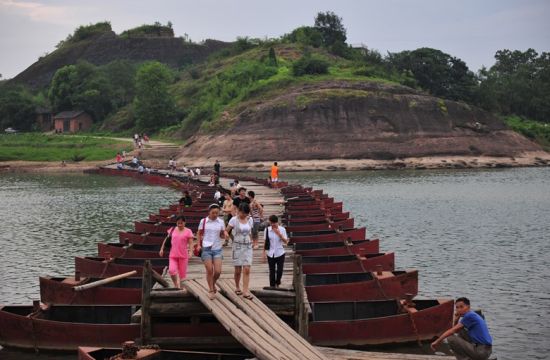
(147, 286)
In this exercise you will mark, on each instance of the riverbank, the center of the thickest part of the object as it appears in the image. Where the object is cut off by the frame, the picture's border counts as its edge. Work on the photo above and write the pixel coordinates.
(530, 159)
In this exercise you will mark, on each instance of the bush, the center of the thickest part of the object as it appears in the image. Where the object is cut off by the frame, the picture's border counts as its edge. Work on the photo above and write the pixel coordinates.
(310, 65)
(84, 32)
(305, 35)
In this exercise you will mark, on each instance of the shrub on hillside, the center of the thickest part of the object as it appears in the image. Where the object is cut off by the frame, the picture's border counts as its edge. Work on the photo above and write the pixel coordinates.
(310, 65)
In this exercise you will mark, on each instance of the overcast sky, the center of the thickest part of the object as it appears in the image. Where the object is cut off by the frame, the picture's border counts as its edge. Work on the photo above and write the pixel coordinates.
(470, 29)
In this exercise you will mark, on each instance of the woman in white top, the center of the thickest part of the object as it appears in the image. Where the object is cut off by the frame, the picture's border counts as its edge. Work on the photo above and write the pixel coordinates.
(241, 226)
(275, 238)
(211, 234)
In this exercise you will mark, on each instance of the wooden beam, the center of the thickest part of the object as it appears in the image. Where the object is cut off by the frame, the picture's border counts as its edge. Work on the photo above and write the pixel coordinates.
(104, 281)
(147, 286)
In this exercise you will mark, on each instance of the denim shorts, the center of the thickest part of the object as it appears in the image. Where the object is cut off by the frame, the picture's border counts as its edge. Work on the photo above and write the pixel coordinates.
(209, 254)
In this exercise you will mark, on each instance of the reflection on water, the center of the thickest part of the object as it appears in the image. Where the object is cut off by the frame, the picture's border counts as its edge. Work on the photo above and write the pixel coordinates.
(48, 219)
(480, 234)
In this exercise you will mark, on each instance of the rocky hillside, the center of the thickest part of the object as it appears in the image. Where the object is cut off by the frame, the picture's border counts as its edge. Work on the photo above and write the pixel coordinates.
(354, 120)
(108, 46)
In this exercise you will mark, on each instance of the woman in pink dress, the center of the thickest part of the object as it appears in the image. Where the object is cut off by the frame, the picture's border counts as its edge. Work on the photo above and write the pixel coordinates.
(182, 243)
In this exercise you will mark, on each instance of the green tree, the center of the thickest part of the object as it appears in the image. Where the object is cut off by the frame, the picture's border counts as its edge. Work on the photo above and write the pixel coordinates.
(331, 28)
(305, 35)
(154, 105)
(518, 83)
(17, 108)
(272, 57)
(81, 87)
(437, 72)
(310, 65)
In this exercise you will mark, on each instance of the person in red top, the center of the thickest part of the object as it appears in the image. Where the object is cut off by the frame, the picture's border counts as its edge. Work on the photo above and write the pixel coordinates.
(118, 158)
(182, 243)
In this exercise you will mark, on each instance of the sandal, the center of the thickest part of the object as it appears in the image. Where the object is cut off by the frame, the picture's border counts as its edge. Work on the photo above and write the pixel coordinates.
(248, 296)
(212, 295)
(238, 292)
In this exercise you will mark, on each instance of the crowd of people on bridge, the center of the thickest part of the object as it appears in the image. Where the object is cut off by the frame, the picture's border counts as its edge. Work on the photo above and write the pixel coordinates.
(235, 218)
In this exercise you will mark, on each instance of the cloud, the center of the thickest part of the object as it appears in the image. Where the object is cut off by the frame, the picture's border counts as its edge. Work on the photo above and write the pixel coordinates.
(39, 12)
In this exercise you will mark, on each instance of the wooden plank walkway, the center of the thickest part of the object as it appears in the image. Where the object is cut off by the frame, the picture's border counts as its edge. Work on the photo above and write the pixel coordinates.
(254, 325)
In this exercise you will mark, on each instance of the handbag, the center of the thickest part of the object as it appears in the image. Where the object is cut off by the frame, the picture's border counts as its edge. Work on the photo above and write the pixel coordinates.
(267, 243)
(168, 239)
(196, 250)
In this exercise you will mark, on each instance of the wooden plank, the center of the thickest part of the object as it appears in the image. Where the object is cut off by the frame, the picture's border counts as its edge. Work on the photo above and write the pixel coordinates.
(270, 323)
(261, 345)
(345, 354)
(147, 286)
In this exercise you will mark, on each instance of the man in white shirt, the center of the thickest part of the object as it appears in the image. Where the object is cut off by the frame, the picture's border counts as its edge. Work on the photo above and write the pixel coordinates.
(275, 238)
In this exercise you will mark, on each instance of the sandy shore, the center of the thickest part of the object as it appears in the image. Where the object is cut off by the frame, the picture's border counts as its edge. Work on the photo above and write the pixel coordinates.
(539, 158)
(48, 166)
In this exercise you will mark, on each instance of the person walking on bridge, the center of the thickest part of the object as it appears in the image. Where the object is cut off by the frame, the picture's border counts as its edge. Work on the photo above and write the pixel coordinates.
(475, 343)
(241, 227)
(181, 243)
(210, 238)
(275, 239)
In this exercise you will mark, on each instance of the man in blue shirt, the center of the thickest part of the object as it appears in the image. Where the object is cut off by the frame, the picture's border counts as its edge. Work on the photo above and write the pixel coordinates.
(478, 344)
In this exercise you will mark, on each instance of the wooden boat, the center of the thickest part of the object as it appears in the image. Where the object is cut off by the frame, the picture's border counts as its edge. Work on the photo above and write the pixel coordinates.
(100, 267)
(336, 207)
(309, 219)
(378, 322)
(170, 218)
(321, 204)
(65, 327)
(328, 236)
(312, 212)
(337, 248)
(60, 291)
(348, 263)
(96, 353)
(344, 224)
(162, 227)
(135, 237)
(361, 286)
(128, 250)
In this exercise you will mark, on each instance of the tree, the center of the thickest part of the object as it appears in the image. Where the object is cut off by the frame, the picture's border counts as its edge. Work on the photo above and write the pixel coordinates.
(518, 83)
(437, 72)
(272, 57)
(17, 108)
(154, 105)
(81, 87)
(306, 35)
(331, 28)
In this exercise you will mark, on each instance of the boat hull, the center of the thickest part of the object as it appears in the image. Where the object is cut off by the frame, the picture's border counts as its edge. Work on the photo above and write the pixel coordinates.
(384, 262)
(384, 286)
(352, 234)
(403, 328)
(362, 247)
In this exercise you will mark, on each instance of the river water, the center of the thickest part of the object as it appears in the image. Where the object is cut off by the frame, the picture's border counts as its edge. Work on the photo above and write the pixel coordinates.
(483, 234)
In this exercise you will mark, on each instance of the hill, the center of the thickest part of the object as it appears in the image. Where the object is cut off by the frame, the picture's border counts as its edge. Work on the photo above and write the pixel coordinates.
(104, 46)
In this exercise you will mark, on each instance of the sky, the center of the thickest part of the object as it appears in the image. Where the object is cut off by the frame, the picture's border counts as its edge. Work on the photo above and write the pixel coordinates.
(472, 30)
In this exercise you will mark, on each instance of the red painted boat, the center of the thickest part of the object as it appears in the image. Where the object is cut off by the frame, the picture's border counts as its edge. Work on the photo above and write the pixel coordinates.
(338, 248)
(141, 238)
(310, 219)
(312, 212)
(328, 236)
(170, 218)
(65, 327)
(292, 210)
(128, 251)
(162, 227)
(361, 286)
(59, 291)
(348, 263)
(99, 267)
(96, 353)
(378, 322)
(344, 224)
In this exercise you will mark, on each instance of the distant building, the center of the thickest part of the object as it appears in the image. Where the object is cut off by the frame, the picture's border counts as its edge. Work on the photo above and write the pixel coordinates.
(72, 121)
(44, 119)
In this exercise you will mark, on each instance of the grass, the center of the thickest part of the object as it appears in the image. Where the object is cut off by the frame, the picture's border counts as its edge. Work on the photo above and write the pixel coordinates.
(42, 147)
(534, 130)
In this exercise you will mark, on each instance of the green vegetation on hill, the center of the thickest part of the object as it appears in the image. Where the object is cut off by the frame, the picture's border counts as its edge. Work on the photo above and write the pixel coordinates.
(534, 130)
(128, 95)
(42, 147)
